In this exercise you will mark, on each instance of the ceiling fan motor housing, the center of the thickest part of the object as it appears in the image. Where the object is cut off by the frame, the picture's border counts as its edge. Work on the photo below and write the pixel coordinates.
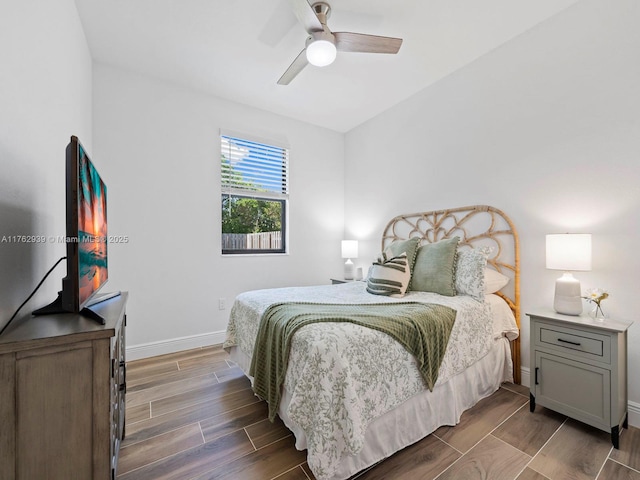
(323, 11)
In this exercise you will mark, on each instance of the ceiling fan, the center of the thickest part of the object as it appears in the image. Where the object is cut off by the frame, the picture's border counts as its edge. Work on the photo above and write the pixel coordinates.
(322, 44)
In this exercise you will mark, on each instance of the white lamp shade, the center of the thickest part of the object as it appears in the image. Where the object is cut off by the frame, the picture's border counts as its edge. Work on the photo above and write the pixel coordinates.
(321, 53)
(569, 251)
(349, 249)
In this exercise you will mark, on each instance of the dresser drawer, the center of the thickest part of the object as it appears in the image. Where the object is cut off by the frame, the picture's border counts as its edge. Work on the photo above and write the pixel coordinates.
(574, 342)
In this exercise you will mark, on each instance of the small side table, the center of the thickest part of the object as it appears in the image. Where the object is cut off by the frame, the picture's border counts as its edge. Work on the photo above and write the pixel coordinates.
(579, 367)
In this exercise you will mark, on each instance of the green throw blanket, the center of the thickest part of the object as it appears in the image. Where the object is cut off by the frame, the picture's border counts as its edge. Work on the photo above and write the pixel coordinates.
(423, 329)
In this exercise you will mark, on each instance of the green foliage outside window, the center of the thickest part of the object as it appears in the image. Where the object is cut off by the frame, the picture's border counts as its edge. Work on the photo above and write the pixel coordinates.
(248, 214)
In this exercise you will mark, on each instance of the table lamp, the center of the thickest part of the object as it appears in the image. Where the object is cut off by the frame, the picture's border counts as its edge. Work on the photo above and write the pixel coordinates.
(568, 252)
(349, 251)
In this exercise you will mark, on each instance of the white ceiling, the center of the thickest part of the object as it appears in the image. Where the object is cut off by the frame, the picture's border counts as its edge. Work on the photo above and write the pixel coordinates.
(237, 49)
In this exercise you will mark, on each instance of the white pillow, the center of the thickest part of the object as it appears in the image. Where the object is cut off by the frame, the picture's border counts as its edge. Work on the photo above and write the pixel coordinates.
(494, 280)
(390, 275)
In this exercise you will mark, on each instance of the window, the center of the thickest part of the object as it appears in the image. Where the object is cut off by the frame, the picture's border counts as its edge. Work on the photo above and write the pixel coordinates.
(255, 192)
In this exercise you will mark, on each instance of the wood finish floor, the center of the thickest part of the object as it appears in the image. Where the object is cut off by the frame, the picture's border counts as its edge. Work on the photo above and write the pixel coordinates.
(193, 415)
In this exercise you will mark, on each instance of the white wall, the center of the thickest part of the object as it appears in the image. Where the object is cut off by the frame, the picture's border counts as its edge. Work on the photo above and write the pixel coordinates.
(45, 97)
(545, 128)
(157, 146)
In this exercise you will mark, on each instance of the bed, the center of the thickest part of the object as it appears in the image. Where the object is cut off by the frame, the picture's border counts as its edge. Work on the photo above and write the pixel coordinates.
(353, 395)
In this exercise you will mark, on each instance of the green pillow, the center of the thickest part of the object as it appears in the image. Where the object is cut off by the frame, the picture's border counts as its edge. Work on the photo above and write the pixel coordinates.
(435, 267)
(410, 247)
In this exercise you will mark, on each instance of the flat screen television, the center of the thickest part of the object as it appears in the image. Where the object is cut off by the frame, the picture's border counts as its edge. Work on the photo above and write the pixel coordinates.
(86, 235)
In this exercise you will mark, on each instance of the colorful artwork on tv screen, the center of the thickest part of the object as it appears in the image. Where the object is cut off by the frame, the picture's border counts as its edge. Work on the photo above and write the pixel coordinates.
(92, 229)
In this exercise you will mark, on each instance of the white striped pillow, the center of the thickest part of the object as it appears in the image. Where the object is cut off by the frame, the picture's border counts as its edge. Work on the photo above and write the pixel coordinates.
(389, 275)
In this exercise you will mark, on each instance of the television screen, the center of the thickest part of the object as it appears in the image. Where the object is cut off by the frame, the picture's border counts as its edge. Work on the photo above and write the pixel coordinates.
(92, 228)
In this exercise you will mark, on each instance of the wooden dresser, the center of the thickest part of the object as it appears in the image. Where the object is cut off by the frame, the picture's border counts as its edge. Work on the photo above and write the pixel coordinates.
(62, 395)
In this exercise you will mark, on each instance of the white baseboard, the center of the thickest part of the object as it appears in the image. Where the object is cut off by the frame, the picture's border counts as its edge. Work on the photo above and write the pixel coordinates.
(136, 352)
(632, 407)
(525, 377)
(634, 414)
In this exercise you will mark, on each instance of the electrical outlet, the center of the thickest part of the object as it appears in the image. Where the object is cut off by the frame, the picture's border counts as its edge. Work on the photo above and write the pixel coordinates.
(221, 304)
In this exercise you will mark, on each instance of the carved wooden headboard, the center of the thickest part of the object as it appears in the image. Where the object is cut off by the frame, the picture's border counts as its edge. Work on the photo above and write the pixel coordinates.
(476, 226)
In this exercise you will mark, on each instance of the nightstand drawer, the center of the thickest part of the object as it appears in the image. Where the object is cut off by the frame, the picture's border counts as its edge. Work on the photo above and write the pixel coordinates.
(574, 342)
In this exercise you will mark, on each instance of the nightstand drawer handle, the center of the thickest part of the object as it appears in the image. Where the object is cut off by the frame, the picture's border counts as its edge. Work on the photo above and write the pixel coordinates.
(569, 342)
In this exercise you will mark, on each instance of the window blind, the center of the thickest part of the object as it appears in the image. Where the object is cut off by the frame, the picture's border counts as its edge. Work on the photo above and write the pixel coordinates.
(249, 166)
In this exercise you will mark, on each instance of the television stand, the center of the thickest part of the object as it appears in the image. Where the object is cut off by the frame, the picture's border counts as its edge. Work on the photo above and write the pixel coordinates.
(56, 307)
(102, 298)
(63, 395)
(87, 312)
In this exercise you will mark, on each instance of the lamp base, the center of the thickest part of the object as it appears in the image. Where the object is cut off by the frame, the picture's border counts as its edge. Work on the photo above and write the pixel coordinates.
(567, 299)
(348, 270)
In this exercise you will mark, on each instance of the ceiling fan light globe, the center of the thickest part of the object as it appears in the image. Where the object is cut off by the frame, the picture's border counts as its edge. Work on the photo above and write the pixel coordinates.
(321, 53)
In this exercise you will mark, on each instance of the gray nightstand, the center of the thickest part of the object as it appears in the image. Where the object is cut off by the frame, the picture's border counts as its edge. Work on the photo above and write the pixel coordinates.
(579, 368)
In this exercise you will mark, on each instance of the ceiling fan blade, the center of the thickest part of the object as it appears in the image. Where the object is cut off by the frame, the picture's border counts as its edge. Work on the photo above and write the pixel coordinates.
(295, 68)
(306, 16)
(360, 42)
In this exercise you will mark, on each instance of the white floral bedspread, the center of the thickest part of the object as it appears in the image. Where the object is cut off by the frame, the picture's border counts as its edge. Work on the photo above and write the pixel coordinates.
(341, 376)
